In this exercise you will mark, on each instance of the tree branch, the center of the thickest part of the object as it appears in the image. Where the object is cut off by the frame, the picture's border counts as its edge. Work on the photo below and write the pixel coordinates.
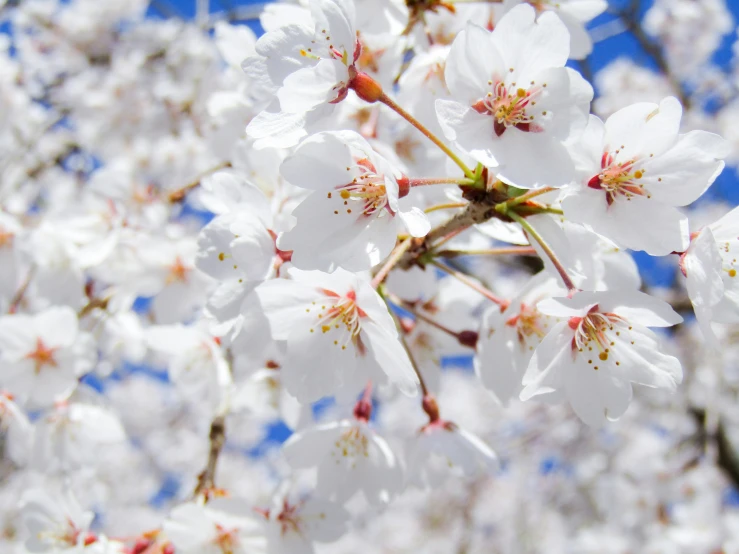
(480, 209)
(217, 437)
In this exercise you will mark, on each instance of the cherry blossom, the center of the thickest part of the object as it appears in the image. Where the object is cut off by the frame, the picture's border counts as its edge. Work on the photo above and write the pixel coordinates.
(43, 355)
(350, 457)
(635, 166)
(604, 346)
(55, 521)
(352, 217)
(442, 448)
(233, 253)
(294, 523)
(339, 335)
(710, 268)
(223, 526)
(308, 67)
(518, 100)
(508, 338)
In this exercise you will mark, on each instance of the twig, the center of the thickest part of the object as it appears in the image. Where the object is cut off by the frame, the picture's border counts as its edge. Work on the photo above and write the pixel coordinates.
(470, 283)
(481, 208)
(15, 302)
(217, 437)
(397, 253)
(179, 195)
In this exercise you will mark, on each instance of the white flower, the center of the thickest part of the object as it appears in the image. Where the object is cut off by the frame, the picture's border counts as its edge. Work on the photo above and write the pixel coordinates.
(237, 248)
(442, 449)
(69, 437)
(43, 355)
(710, 267)
(352, 217)
(514, 101)
(55, 521)
(308, 66)
(222, 526)
(508, 338)
(604, 346)
(293, 525)
(263, 395)
(636, 169)
(350, 457)
(339, 335)
(196, 366)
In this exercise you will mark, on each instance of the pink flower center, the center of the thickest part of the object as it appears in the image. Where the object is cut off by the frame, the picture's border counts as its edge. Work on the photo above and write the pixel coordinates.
(42, 356)
(366, 195)
(289, 519)
(341, 316)
(510, 107)
(178, 272)
(597, 330)
(618, 179)
(351, 444)
(226, 539)
(528, 322)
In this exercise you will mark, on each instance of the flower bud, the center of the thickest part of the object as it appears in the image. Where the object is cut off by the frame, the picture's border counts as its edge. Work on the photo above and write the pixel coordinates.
(366, 87)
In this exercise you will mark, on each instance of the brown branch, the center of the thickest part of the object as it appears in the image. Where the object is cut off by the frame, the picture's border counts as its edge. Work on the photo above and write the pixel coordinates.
(217, 437)
(481, 208)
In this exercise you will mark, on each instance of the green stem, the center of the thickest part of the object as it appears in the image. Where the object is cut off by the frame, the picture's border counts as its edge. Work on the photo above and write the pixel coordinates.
(445, 206)
(527, 196)
(440, 181)
(390, 103)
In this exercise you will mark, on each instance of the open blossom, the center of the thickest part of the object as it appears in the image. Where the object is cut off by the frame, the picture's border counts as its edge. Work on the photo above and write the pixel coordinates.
(514, 102)
(197, 366)
(508, 338)
(601, 347)
(54, 521)
(222, 526)
(43, 355)
(352, 217)
(350, 457)
(308, 66)
(237, 248)
(293, 524)
(70, 436)
(710, 267)
(637, 168)
(441, 449)
(339, 335)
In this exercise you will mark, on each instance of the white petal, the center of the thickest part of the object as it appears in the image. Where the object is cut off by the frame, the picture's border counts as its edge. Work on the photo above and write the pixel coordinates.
(391, 357)
(416, 222)
(309, 87)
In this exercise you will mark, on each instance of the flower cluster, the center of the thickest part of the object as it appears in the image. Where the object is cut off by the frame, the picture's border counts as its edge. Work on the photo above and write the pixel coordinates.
(233, 267)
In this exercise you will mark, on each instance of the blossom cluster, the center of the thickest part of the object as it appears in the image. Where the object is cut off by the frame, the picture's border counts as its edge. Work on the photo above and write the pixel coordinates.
(232, 268)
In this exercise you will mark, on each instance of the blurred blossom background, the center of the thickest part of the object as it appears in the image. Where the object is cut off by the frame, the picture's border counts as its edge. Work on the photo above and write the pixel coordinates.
(114, 88)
